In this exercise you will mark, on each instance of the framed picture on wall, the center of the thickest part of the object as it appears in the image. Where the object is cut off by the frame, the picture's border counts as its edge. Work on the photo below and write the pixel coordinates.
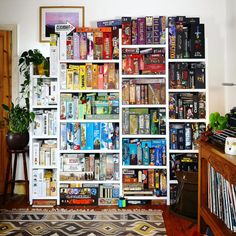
(52, 15)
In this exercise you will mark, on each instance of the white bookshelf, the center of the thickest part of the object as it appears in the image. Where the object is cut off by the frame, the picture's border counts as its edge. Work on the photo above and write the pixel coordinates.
(34, 107)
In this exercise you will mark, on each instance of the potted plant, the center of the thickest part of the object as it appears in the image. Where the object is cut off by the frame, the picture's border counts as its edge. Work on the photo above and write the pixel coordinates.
(19, 116)
(18, 120)
(38, 61)
(217, 121)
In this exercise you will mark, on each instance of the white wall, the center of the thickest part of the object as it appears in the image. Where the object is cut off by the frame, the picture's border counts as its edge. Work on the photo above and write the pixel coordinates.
(230, 63)
(25, 13)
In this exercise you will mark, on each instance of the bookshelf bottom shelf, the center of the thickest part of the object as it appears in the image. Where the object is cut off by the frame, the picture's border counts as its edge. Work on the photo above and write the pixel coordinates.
(216, 225)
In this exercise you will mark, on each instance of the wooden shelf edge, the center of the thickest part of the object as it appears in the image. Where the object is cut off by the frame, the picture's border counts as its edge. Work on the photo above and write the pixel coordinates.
(217, 226)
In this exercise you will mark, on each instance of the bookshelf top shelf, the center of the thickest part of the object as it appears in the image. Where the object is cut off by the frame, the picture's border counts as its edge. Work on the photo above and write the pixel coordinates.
(90, 61)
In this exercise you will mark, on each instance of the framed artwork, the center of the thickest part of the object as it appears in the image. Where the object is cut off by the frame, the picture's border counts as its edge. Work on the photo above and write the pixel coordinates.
(52, 15)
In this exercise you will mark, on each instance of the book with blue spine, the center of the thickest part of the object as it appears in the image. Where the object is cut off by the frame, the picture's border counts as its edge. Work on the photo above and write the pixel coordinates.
(89, 136)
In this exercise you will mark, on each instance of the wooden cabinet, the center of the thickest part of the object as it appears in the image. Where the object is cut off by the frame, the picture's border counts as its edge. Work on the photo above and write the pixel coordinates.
(226, 166)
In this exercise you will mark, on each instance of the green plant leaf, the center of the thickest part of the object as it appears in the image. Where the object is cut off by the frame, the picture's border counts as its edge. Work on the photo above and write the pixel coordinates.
(5, 107)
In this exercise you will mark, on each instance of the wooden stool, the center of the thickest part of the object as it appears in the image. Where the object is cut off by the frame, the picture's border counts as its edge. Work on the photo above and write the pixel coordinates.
(16, 154)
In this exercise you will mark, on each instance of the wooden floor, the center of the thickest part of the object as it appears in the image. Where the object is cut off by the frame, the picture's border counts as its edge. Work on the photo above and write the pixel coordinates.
(175, 225)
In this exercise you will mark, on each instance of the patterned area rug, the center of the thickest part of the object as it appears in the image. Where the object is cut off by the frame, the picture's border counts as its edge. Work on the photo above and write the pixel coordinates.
(89, 223)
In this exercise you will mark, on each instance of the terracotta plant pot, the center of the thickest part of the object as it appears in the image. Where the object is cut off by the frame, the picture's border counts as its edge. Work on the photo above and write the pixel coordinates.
(17, 141)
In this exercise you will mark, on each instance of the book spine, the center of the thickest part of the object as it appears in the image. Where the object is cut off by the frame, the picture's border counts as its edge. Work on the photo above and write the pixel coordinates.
(126, 30)
(149, 30)
(134, 32)
(90, 46)
(141, 30)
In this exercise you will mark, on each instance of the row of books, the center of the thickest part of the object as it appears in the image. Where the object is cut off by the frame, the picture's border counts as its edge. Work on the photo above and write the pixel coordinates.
(143, 91)
(44, 153)
(137, 61)
(187, 162)
(90, 136)
(141, 30)
(78, 195)
(90, 194)
(187, 105)
(186, 37)
(222, 203)
(45, 122)
(187, 75)
(144, 152)
(90, 105)
(90, 44)
(144, 121)
(144, 182)
(76, 167)
(46, 93)
(184, 136)
(89, 76)
(44, 183)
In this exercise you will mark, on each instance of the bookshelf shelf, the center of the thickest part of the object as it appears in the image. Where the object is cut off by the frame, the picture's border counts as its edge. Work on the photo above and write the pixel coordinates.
(43, 77)
(91, 182)
(89, 61)
(44, 107)
(88, 151)
(145, 106)
(44, 167)
(90, 91)
(46, 198)
(187, 120)
(173, 182)
(186, 90)
(183, 151)
(143, 136)
(145, 46)
(44, 137)
(187, 60)
(142, 167)
(89, 121)
(145, 197)
(142, 76)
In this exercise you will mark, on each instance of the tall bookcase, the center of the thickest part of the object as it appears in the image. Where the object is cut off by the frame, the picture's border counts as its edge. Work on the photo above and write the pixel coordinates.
(44, 162)
(139, 109)
(132, 128)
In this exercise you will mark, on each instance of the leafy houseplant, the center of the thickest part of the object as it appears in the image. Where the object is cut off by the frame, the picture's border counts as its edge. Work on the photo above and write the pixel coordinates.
(19, 116)
(27, 58)
(217, 121)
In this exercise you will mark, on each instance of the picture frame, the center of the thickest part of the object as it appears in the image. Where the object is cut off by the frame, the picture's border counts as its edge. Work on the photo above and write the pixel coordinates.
(52, 15)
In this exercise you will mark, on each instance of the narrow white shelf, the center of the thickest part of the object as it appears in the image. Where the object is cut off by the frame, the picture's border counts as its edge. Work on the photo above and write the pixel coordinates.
(44, 136)
(173, 181)
(90, 182)
(89, 121)
(145, 106)
(44, 167)
(44, 107)
(143, 76)
(183, 151)
(144, 46)
(187, 60)
(143, 136)
(89, 91)
(45, 197)
(143, 167)
(187, 120)
(145, 198)
(88, 151)
(43, 77)
(90, 61)
(187, 90)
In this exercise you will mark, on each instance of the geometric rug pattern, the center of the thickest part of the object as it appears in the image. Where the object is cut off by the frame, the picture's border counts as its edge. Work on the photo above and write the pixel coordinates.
(76, 222)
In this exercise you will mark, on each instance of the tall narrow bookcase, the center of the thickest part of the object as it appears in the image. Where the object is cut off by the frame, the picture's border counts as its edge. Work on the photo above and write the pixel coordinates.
(144, 131)
(44, 162)
(187, 113)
